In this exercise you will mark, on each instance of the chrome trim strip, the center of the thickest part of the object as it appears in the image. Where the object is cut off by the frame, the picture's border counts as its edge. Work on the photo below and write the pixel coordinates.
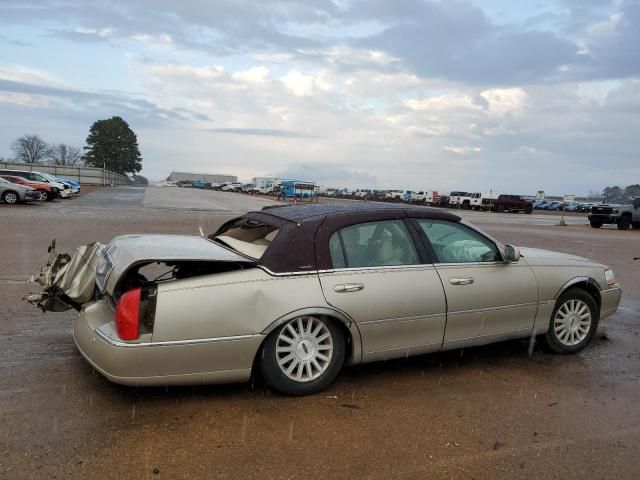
(426, 266)
(402, 319)
(168, 343)
(490, 309)
(611, 290)
(419, 266)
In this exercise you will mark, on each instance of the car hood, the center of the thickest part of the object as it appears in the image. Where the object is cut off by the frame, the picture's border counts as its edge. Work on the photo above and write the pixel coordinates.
(538, 256)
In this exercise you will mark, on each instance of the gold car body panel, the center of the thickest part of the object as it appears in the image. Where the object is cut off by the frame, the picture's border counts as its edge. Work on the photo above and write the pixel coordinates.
(488, 300)
(399, 311)
(241, 302)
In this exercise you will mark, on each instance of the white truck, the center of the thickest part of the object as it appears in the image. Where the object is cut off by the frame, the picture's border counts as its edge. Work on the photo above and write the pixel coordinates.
(482, 201)
(361, 192)
(265, 185)
(459, 199)
(394, 195)
(426, 197)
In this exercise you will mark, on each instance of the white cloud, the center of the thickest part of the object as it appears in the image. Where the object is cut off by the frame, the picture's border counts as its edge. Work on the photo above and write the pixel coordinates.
(162, 40)
(252, 75)
(299, 84)
(505, 100)
(462, 150)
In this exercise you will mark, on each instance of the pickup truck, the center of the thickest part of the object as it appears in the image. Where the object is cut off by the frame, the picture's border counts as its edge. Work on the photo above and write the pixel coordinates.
(512, 203)
(624, 216)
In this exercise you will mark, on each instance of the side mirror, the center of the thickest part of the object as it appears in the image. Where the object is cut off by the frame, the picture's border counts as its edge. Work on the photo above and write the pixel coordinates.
(511, 253)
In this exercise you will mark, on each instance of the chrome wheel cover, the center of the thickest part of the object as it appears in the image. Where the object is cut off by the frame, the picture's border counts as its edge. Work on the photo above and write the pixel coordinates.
(572, 322)
(304, 349)
(42, 195)
(11, 198)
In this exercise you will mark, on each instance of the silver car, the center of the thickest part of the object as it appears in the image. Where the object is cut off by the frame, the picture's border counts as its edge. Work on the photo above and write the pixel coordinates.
(296, 292)
(13, 193)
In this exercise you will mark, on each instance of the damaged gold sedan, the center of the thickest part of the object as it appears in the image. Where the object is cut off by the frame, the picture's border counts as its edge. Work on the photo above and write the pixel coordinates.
(294, 293)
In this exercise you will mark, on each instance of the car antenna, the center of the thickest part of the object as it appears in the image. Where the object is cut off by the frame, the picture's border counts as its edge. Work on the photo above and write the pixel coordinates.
(200, 230)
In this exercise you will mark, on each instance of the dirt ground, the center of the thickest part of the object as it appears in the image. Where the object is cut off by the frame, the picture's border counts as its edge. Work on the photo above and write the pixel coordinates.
(481, 413)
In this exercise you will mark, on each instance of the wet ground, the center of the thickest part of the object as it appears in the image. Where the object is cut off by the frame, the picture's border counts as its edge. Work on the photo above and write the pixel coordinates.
(483, 413)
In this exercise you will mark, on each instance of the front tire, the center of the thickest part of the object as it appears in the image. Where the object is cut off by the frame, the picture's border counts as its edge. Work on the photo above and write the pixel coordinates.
(595, 224)
(10, 197)
(303, 356)
(624, 223)
(43, 196)
(573, 323)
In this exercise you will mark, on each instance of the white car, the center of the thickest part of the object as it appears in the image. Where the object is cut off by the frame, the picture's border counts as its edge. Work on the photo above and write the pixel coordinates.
(232, 187)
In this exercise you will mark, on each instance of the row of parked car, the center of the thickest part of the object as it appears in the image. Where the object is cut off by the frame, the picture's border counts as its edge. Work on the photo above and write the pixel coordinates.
(17, 186)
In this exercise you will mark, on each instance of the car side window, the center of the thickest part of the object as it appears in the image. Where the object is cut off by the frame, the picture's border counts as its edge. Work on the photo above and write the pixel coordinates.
(373, 244)
(456, 243)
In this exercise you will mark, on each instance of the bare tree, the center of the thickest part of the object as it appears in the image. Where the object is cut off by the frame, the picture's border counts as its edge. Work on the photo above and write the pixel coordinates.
(29, 149)
(63, 154)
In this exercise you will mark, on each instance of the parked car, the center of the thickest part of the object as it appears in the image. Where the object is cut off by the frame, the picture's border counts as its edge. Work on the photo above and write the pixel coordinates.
(201, 184)
(623, 215)
(46, 191)
(75, 186)
(231, 187)
(13, 193)
(512, 203)
(64, 190)
(371, 282)
(394, 195)
(184, 183)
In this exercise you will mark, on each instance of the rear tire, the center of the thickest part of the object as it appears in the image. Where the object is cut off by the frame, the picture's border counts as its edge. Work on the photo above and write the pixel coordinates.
(302, 357)
(573, 323)
(500, 209)
(528, 210)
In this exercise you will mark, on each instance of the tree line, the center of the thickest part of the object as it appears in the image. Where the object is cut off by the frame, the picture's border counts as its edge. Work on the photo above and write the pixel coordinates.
(111, 144)
(615, 192)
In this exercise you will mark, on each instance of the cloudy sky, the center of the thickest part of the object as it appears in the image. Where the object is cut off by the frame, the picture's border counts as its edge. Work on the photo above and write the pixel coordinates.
(513, 96)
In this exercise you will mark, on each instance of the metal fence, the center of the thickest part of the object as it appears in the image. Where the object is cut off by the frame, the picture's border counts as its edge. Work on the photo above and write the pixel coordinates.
(82, 175)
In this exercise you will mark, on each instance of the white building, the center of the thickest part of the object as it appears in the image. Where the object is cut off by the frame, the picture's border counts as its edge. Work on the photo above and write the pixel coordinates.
(207, 177)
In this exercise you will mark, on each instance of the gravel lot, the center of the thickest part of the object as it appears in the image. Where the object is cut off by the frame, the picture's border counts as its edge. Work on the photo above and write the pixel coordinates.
(489, 412)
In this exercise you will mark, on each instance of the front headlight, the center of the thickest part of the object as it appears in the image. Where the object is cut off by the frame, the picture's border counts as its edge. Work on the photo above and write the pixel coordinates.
(104, 267)
(609, 276)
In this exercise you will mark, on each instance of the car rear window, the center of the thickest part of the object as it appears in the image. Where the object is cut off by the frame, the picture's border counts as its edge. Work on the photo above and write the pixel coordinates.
(248, 237)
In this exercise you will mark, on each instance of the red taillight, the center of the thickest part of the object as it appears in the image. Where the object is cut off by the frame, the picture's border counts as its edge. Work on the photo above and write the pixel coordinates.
(128, 315)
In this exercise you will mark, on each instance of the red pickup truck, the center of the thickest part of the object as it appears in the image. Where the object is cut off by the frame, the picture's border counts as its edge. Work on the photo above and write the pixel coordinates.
(512, 203)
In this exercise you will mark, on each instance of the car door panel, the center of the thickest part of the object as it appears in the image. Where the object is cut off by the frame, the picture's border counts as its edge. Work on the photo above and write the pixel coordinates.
(486, 297)
(399, 310)
(503, 298)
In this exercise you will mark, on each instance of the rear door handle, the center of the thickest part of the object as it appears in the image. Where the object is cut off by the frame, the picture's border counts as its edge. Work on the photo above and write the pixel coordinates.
(461, 281)
(348, 287)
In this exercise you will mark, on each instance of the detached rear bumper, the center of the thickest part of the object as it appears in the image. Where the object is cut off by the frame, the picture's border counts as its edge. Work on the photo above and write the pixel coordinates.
(145, 363)
(610, 301)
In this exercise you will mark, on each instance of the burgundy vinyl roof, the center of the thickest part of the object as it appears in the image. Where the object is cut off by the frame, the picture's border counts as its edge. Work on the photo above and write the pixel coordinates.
(304, 230)
(301, 213)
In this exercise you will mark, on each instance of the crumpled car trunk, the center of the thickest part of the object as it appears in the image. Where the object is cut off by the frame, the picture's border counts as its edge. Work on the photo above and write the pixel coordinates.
(67, 281)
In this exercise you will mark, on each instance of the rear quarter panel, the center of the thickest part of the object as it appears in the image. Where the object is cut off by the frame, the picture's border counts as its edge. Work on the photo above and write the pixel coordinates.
(234, 303)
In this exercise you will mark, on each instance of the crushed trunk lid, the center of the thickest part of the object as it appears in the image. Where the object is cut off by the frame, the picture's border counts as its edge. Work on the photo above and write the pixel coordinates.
(68, 281)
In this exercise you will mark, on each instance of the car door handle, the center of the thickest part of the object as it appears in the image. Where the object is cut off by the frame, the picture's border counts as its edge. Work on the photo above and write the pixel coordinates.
(461, 281)
(348, 287)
